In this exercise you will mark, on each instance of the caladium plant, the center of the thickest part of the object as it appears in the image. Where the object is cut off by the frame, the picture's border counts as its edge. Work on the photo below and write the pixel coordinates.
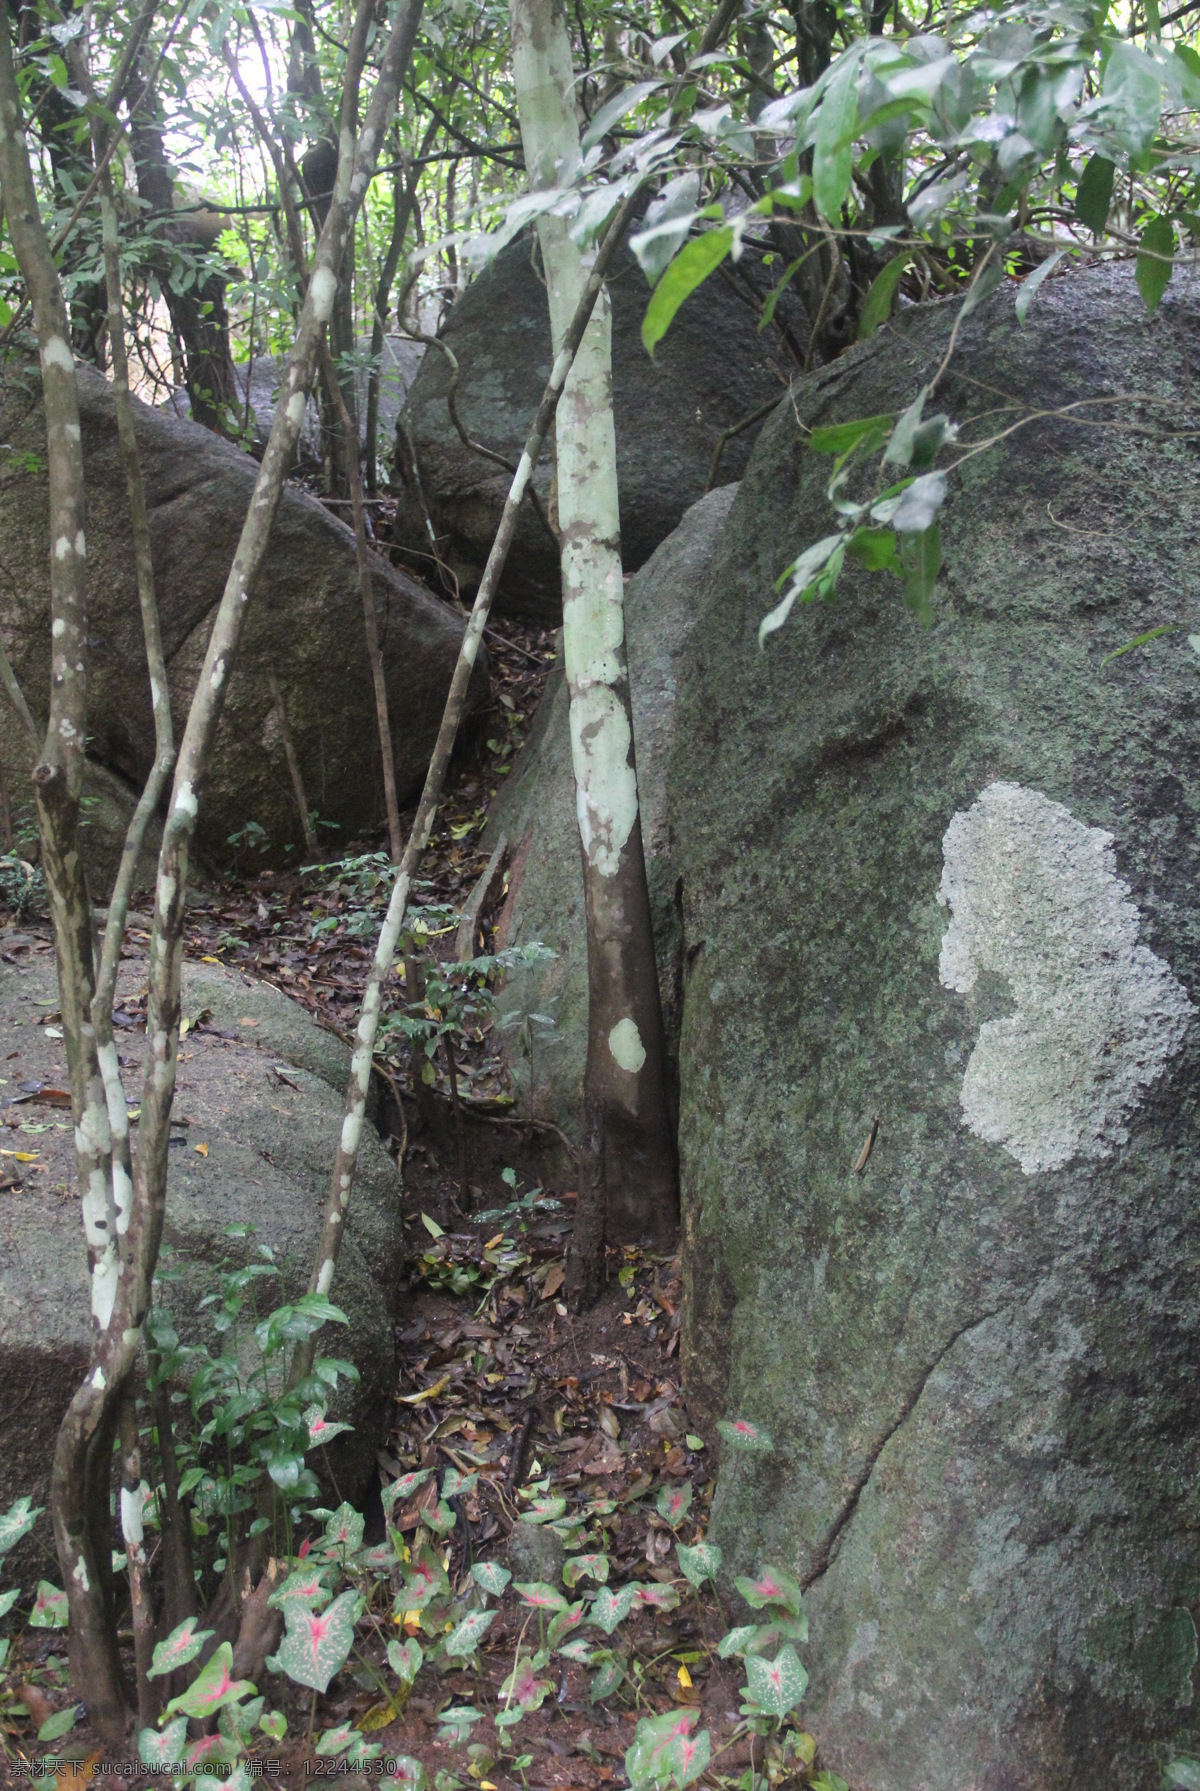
(667, 1751)
(316, 1645)
(213, 1687)
(182, 1645)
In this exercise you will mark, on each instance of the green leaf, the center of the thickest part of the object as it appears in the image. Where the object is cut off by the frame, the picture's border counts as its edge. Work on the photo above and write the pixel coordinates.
(920, 563)
(316, 1646)
(590, 1566)
(343, 1533)
(875, 549)
(610, 1608)
(307, 1584)
(665, 1751)
(183, 1644)
(50, 1608)
(545, 1511)
(336, 1741)
(833, 143)
(772, 1587)
(1140, 640)
(674, 1503)
(1029, 286)
(212, 1687)
(405, 1659)
(1183, 1775)
(737, 1641)
(466, 1637)
(606, 1681)
(163, 1747)
(56, 1726)
(409, 1772)
(740, 1433)
(457, 1723)
(563, 1624)
(813, 574)
(541, 1596)
(8, 1600)
(694, 262)
(877, 306)
(403, 1489)
(615, 109)
(699, 1563)
(840, 438)
(828, 1781)
(17, 1522)
(491, 1576)
(1155, 264)
(273, 1724)
(1093, 196)
(440, 1519)
(239, 1721)
(456, 1485)
(778, 1685)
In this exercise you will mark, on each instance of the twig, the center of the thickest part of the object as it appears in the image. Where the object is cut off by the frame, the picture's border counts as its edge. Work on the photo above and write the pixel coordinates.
(293, 764)
(756, 416)
(464, 939)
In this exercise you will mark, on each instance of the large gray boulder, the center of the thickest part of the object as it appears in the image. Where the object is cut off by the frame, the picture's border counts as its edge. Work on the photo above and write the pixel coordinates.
(937, 891)
(712, 370)
(536, 813)
(265, 1102)
(304, 622)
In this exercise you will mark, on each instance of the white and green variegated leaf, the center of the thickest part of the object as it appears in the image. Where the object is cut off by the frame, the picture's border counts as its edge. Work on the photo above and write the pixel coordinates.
(439, 1518)
(360, 1751)
(545, 1510)
(736, 1641)
(467, 1635)
(306, 1584)
(163, 1747)
(578, 1648)
(604, 1683)
(399, 1491)
(778, 1685)
(456, 1485)
(8, 1600)
(541, 1596)
(405, 1659)
(610, 1608)
(320, 1428)
(316, 1645)
(490, 1576)
(199, 1757)
(457, 1723)
(343, 1533)
(17, 1521)
(699, 1563)
(410, 1773)
(213, 1687)
(674, 1503)
(239, 1721)
(182, 1645)
(49, 1609)
(336, 1741)
(594, 1566)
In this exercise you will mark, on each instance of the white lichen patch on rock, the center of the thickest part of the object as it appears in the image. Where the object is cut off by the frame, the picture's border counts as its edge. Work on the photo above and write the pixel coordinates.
(1035, 898)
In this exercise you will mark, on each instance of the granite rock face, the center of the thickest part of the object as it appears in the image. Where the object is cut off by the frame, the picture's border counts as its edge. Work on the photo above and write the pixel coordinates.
(712, 370)
(304, 622)
(939, 888)
(934, 890)
(265, 1101)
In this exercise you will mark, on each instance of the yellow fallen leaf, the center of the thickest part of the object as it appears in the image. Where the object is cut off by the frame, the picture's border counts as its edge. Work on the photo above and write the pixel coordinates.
(380, 1715)
(29, 1156)
(429, 1393)
(492, 1242)
(201, 1150)
(210, 960)
(486, 1785)
(412, 1622)
(684, 1678)
(244, 1022)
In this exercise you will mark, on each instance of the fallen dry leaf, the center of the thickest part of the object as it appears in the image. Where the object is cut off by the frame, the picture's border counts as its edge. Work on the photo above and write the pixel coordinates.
(201, 1150)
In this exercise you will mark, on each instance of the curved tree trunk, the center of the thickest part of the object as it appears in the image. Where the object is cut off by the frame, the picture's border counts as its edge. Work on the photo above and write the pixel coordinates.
(628, 1183)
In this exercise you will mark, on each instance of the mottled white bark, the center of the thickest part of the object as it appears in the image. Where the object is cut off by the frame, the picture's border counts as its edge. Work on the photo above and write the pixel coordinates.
(628, 1185)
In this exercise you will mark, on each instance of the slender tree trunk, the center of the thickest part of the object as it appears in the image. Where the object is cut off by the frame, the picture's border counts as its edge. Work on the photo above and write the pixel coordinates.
(121, 1282)
(626, 1115)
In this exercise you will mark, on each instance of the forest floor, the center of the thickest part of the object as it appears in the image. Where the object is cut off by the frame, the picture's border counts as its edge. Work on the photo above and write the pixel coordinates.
(497, 1380)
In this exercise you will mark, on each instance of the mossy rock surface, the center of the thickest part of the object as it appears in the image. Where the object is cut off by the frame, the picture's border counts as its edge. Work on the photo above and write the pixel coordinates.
(976, 1356)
